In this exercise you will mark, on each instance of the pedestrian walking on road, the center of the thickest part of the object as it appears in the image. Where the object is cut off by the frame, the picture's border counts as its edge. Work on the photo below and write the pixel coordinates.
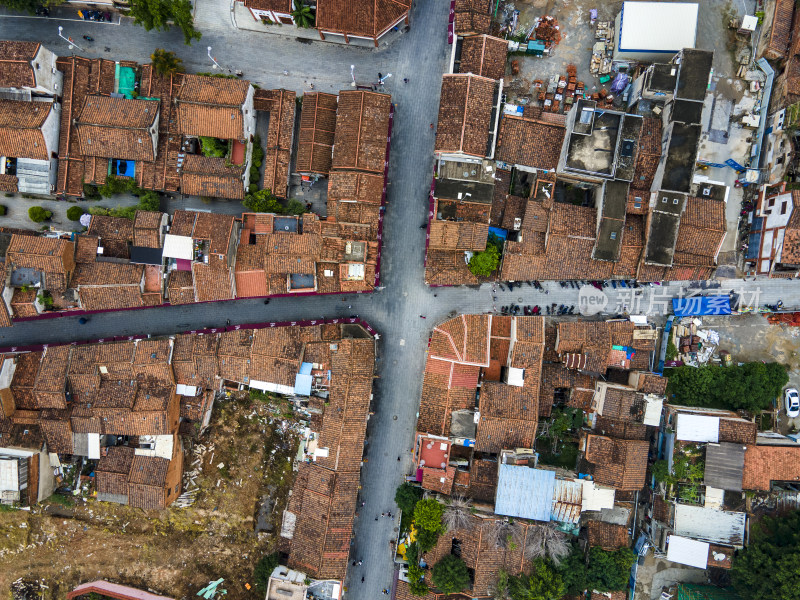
(422, 317)
(380, 76)
(405, 79)
(362, 579)
(398, 459)
(431, 125)
(359, 563)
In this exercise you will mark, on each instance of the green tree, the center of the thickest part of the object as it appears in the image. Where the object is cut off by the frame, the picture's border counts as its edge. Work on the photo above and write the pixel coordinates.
(37, 214)
(609, 571)
(416, 580)
(166, 62)
(450, 574)
(573, 571)
(157, 14)
(661, 471)
(149, 200)
(263, 201)
(302, 15)
(752, 387)
(768, 567)
(428, 515)
(407, 496)
(28, 6)
(74, 213)
(544, 583)
(46, 298)
(427, 539)
(295, 207)
(213, 147)
(263, 569)
(483, 264)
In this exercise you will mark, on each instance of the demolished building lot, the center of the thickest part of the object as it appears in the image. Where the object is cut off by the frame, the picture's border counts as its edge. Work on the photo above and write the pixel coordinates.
(139, 458)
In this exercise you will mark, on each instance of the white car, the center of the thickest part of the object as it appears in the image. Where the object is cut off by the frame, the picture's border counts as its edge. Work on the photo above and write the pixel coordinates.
(792, 400)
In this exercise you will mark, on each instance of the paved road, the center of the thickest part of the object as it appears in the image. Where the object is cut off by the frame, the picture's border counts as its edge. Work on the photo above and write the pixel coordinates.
(395, 310)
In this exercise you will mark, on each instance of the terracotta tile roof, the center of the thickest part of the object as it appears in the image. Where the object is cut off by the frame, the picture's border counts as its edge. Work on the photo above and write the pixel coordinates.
(250, 284)
(50, 255)
(15, 65)
(530, 142)
(216, 228)
(9, 183)
(212, 106)
(701, 231)
(211, 177)
(651, 383)
(279, 141)
(607, 535)
(212, 282)
(473, 16)
(283, 6)
(621, 464)
(317, 127)
(369, 19)
(21, 129)
(450, 235)
(362, 130)
(438, 480)
(113, 469)
(484, 55)
(86, 248)
(648, 156)
(790, 252)
(781, 31)
(738, 431)
(115, 233)
(446, 267)
(117, 127)
(180, 287)
(57, 430)
(147, 229)
(764, 464)
(465, 114)
(107, 274)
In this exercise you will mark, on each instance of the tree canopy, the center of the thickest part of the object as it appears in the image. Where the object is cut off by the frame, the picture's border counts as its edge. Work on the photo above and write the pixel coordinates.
(483, 264)
(606, 571)
(158, 14)
(28, 6)
(751, 387)
(770, 566)
(263, 201)
(302, 15)
(407, 496)
(450, 574)
(74, 213)
(166, 62)
(544, 583)
(428, 515)
(37, 214)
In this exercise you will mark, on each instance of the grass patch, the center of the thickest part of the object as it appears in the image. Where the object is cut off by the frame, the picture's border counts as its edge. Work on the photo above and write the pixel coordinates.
(61, 500)
(567, 457)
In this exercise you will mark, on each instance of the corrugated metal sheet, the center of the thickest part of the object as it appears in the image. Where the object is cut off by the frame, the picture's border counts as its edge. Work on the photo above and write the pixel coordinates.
(710, 525)
(697, 428)
(567, 496)
(687, 551)
(724, 466)
(524, 492)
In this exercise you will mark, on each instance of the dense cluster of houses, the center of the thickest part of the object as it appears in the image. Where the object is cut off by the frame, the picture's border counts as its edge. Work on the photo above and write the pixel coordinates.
(125, 407)
(595, 192)
(490, 387)
(70, 122)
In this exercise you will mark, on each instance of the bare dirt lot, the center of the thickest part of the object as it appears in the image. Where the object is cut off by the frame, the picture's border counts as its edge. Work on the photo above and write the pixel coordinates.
(179, 550)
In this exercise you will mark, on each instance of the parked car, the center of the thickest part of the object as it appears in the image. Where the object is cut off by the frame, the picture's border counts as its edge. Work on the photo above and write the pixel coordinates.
(792, 400)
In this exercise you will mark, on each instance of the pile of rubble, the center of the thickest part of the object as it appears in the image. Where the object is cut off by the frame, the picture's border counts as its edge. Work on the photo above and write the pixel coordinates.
(190, 475)
(696, 346)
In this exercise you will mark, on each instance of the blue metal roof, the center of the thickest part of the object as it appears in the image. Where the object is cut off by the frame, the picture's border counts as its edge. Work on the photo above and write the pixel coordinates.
(524, 492)
(305, 368)
(302, 384)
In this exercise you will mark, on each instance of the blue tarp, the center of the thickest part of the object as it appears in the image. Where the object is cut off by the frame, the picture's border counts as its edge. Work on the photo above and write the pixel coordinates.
(701, 305)
(501, 233)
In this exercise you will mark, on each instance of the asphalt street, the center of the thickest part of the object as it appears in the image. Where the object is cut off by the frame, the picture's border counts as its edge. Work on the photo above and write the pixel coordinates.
(396, 311)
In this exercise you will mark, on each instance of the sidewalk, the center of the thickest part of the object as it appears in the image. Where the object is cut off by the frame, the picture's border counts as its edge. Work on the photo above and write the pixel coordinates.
(215, 14)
